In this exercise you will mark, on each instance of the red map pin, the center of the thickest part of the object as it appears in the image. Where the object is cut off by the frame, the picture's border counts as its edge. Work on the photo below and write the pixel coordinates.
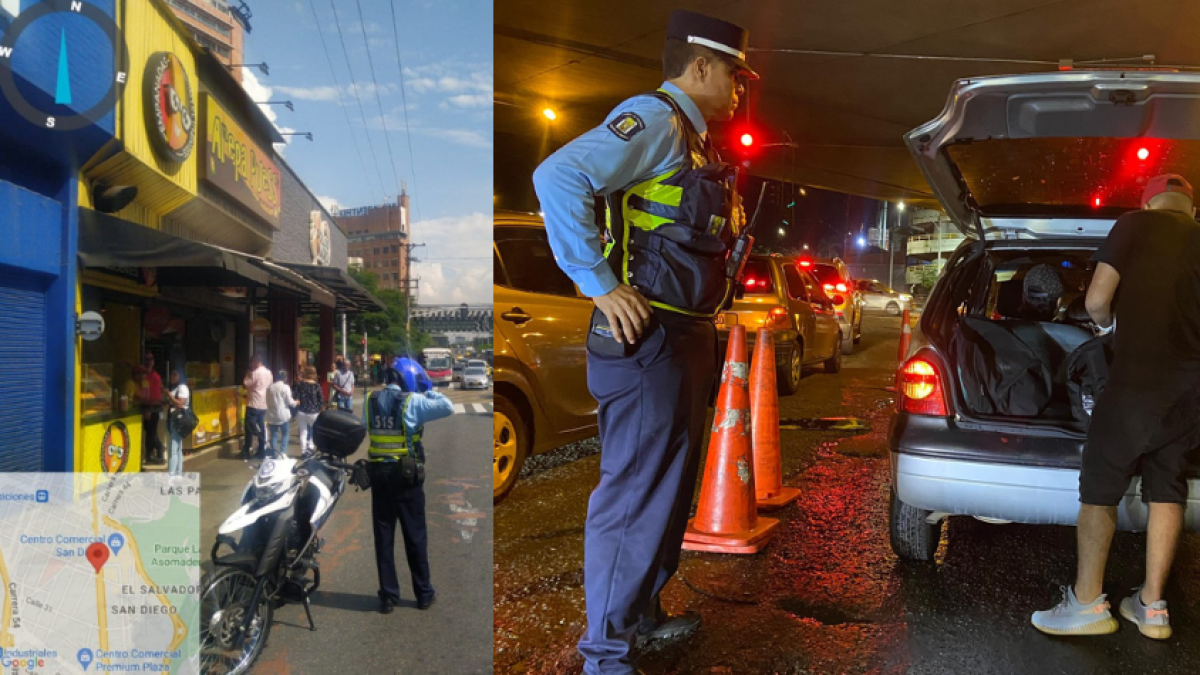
(97, 554)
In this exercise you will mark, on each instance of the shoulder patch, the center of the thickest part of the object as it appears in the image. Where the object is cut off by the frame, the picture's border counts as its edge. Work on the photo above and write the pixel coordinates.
(627, 125)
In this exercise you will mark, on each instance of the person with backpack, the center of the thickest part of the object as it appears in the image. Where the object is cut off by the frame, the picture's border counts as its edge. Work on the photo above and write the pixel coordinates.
(178, 399)
(1147, 414)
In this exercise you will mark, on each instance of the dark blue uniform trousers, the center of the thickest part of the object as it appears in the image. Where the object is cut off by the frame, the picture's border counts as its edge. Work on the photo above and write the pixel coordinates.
(390, 503)
(652, 412)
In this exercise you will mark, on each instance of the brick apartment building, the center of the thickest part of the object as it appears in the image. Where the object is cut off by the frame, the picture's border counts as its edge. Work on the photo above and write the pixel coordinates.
(213, 25)
(379, 235)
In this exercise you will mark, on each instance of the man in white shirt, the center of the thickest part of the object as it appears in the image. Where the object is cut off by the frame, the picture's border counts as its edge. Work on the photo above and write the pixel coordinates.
(257, 380)
(343, 386)
(279, 413)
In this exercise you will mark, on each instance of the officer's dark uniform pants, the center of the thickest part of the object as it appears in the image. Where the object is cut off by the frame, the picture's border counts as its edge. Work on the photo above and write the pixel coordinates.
(390, 503)
(652, 411)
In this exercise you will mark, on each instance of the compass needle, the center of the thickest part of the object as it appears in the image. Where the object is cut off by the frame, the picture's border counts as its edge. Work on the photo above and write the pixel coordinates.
(62, 93)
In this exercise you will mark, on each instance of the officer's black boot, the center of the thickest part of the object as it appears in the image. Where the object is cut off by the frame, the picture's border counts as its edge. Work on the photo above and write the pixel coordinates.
(662, 626)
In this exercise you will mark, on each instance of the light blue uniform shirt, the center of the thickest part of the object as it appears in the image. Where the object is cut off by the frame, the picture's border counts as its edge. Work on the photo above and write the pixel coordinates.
(421, 408)
(599, 163)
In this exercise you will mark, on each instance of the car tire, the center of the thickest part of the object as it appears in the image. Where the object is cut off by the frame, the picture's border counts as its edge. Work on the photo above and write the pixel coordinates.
(833, 365)
(790, 370)
(912, 538)
(893, 309)
(510, 447)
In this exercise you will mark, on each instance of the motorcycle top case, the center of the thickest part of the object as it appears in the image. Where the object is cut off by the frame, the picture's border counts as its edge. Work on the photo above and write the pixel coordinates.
(338, 433)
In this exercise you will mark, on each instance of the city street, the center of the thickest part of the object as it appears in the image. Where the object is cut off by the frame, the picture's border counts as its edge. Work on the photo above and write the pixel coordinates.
(352, 636)
(827, 595)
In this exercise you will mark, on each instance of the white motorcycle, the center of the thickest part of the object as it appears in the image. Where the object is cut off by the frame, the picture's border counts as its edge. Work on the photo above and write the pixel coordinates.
(283, 510)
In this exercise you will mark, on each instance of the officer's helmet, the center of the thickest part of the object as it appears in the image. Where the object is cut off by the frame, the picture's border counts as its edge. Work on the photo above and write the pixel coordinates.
(411, 375)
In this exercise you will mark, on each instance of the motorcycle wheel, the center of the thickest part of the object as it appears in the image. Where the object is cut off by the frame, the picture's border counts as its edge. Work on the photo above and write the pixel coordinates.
(224, 601)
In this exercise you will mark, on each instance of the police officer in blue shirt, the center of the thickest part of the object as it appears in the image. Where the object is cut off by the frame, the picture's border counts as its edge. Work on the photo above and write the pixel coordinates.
(395, 417)
(657, 280)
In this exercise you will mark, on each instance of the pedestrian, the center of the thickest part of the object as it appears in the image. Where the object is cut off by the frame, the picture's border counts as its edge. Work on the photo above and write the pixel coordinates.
(1146, 416)
(343, 386)
(308, 392)
(396, 417)
(653, 162)
(177, 398)
(151, 402)
(279, 413)
(258, 379)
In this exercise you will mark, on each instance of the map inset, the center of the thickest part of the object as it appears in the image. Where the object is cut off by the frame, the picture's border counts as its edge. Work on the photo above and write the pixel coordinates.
(99, 573)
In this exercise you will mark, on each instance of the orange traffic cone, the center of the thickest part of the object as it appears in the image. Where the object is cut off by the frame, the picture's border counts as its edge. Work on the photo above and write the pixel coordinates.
(764, 417)
(905, 337)
(726, 520)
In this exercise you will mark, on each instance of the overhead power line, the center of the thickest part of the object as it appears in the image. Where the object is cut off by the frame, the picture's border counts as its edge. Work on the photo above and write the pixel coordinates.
(382, 114)
(354, 83)
(404, 100)
(338, 90)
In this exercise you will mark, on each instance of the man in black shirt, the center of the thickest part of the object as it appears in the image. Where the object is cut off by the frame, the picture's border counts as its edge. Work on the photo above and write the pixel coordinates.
(1148, 410)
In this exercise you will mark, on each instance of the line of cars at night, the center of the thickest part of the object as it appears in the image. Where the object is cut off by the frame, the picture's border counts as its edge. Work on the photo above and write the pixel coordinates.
(813, 309)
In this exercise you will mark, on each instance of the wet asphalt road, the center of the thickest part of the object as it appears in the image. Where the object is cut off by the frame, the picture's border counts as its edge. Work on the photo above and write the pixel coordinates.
(828, 595)
(352, 636)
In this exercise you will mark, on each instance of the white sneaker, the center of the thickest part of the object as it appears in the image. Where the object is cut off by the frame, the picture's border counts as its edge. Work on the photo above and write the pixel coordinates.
(1071, 617)
(1152, 620)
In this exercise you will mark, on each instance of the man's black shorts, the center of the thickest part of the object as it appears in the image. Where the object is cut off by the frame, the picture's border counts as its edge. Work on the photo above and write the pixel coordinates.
(1157, 425)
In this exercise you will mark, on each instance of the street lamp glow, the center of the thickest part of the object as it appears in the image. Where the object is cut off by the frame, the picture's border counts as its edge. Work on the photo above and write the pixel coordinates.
(806, 247)
(550, 115)
(781, 233)
(900, 206)
(803, 192)
(861, 242)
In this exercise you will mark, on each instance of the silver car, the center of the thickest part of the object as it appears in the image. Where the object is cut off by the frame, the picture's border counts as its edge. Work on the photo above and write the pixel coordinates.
(1034, 169)
(879, 298)
(475, 378)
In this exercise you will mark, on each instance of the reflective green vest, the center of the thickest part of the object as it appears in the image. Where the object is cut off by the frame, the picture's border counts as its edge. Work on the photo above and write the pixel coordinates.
(385, 421)
(669, 236)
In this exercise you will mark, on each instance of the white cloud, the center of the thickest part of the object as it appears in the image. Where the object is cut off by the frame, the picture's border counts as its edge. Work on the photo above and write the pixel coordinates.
(457, 249)
(467, 137)
(328, 93)
(258, 92)
(470, 100)
(331, 204)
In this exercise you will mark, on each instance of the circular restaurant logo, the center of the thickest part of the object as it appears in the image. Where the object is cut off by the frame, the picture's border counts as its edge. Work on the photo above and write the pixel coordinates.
(114, 449)
(72, 36)
(170, 111)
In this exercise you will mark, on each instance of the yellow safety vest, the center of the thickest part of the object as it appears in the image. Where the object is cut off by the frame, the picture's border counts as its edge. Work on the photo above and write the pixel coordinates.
(677, 264)
(387, 437)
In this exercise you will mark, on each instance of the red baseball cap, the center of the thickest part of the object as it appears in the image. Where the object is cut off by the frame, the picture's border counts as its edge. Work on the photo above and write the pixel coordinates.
(1167, 182)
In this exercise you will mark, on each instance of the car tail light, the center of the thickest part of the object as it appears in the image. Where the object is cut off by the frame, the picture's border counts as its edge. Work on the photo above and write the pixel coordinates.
(837, 300)
(751, 282)
(919, 385)
(777, 316)
(829, 287)
(806, 263)
(841, 288)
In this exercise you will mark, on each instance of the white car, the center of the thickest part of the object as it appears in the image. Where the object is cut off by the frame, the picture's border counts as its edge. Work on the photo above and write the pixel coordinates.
(474, 378)
(879, 298)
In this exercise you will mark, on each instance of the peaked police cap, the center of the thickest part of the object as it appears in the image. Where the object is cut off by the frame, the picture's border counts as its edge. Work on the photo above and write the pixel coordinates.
(722, 36)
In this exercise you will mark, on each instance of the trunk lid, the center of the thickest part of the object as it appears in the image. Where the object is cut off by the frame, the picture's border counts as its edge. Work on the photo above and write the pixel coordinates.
(1056, 154)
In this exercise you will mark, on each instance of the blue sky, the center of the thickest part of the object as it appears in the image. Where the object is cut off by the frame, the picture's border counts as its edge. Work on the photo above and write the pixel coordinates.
(446, 51)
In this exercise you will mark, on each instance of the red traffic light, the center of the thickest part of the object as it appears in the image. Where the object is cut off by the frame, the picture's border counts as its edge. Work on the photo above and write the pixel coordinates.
(364, 341)
(747, 140)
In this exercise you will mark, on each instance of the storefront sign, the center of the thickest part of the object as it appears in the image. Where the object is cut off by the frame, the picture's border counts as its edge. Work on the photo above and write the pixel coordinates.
(318, 238)
(115, 448)
(170, 110)
(238, 167)
(260, 327)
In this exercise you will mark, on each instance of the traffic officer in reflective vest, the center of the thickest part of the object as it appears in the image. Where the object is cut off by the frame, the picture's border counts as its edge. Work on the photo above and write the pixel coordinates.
(673, 216)
(396, 417)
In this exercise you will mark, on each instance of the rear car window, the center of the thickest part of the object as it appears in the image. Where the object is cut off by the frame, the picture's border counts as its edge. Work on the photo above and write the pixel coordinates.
(827, 274)
(795, 283)
(530, 263)
(1089, 177)
(757, 277)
